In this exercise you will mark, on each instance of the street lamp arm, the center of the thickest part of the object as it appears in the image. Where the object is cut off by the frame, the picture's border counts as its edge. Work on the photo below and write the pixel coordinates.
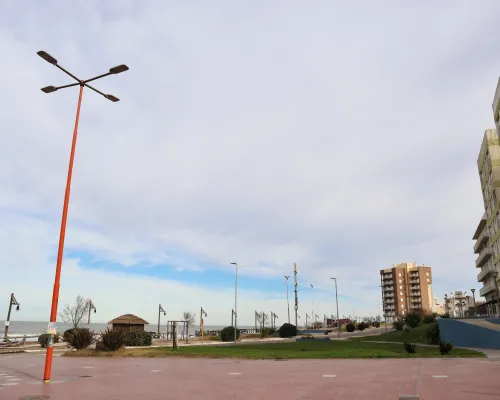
(97, 77)
(107, 96)
(68, 73)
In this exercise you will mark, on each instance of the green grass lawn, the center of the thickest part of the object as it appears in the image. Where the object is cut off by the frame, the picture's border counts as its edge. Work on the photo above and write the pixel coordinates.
(301, 350)
(415, 335)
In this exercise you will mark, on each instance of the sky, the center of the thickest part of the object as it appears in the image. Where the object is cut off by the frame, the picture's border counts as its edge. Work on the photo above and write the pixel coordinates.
(342, 136)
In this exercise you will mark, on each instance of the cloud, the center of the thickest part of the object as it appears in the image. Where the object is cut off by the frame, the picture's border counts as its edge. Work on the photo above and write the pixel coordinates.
(342, 140)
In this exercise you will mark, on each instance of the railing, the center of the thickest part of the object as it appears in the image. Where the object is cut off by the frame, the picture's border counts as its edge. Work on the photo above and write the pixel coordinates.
(217, 332)
(487, 289)
(481, 239)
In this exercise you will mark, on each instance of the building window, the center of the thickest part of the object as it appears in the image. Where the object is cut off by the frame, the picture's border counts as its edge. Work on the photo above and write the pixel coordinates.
(400, 274)
(401, 287)
(402, 301)
(400, 281)
(428, 280)
(427, 273)
(400, 293)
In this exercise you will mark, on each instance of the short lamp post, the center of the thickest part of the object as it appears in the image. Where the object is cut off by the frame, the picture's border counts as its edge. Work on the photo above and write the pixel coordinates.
(337, 304)
(160, 310)
(307, 317)
(12, 302)
(57, 280)
(91, 307)
(274, 317)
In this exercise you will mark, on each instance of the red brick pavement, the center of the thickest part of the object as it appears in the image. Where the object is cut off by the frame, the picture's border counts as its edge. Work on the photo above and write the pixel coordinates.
(183, 378)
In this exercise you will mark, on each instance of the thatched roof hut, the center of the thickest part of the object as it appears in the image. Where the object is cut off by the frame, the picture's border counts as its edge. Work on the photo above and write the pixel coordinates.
(128, 322)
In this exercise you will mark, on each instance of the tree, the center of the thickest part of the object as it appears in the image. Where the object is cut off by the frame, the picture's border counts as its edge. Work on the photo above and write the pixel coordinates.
(189, 318)
(74, 313)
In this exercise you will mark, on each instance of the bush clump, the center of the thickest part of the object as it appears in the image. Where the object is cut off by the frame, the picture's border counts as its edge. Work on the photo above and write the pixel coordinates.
(361, 326)
(398, 325)
(111, 340)
(445, 315)
(413, 319)
(428, 318)
(227, 334)
(431, 334)
(445, 347)
(377, 324)
(81, 338)
(43, 339)
(409, 347)
(67, 333)
(350, 327)
(265, 332)
(288, 330)
(137, 338)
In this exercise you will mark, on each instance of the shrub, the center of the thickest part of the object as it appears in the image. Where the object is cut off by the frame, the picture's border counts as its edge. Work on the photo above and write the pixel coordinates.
(445, 347)
(350, 327)
(43, 339)
(112, 339)
(409, 347)
(413, 319)
(81, 338)
(361, 326)
(445, 315)
(376, 324)
(428, 318)
(227, 334)
(265, 332)
(288, 330)
(137, 338)
(67, 333)
(431, 334)
(398, 325)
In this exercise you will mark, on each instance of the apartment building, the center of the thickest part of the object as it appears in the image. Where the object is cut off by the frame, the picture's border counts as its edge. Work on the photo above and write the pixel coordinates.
(487, 234)
(406, 287)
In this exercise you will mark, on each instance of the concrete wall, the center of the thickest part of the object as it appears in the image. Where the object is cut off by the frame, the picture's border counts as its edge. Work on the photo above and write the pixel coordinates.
(463, 334)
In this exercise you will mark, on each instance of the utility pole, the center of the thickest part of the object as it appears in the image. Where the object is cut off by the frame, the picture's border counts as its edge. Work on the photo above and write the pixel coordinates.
(202, 314)
(296, 291)
(307, 316)
(232, 317)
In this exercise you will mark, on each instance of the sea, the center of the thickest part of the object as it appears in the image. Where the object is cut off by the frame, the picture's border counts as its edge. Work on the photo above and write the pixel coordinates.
(32, 329)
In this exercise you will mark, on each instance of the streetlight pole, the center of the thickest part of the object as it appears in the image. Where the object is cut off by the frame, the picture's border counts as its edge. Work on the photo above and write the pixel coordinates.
(312, 295)
(287, 301)
(160, 310)
(235, 303)
(474, 300)
(91, 307)
(337, 303)
(50, 89)
(12, 302)
(202, 313)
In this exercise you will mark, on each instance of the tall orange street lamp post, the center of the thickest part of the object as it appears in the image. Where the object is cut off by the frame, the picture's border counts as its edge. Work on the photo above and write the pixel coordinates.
(49, 89)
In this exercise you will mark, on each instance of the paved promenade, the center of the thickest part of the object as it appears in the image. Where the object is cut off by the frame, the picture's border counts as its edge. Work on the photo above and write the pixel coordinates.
(184, 378)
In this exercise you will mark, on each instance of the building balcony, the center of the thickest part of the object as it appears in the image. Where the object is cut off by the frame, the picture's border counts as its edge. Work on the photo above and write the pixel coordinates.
(388, 283)
(484, 255)
(487, 288)
(415, 294)
(480, 228)
(486, 271)
(388, 301)
(416, 300)
(482, 240)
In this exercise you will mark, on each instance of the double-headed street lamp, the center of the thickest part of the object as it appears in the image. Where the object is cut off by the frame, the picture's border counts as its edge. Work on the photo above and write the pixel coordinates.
(12, 302)
(235, 303)
(50, 89)
(91, 307)
(160, 310)
(287, 301)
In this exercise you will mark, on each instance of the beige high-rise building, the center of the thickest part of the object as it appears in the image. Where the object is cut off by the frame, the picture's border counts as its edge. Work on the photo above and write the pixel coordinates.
(487, 235)
(406, 287)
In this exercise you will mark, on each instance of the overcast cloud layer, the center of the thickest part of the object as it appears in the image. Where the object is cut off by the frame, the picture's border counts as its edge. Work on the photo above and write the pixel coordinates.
(339, 135)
